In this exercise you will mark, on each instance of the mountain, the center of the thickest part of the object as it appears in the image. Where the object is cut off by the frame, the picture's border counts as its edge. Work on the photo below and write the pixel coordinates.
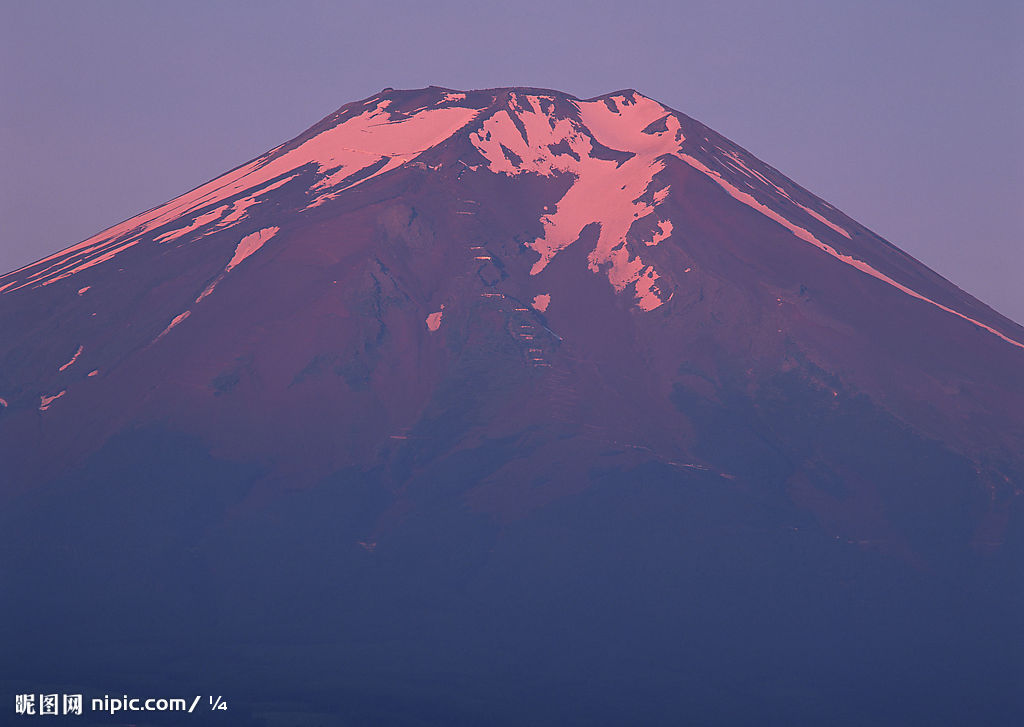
(506, 407)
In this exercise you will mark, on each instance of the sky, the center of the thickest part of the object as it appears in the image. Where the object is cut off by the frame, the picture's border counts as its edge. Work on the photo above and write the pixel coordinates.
(908, 116)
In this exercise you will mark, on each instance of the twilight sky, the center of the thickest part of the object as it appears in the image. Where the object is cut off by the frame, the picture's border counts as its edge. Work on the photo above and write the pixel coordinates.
(908, 116)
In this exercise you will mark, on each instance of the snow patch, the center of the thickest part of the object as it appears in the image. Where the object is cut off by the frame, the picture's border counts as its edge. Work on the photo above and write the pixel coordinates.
(662, 233)
(749, 200)
(823, 221)
(209, 288)
(94, 372)
(806, 236)
(734, 161)
(240, 207)
(200, 221)
(541, 302)
(73, 359)
(607, 187)
(45, 401)
(249, 245)
(647, 296)
(175, 321)
(434, 320)
(371, 138)
(335, 155)
(77, 265)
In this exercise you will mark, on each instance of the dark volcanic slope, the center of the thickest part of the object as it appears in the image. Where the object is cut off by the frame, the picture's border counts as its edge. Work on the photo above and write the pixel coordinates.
(507, 405)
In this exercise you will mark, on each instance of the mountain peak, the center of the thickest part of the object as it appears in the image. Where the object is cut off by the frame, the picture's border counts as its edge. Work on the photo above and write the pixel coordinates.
(616, 148)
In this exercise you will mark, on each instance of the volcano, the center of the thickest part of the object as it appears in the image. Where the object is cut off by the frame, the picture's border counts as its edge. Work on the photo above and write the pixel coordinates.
(506, 407)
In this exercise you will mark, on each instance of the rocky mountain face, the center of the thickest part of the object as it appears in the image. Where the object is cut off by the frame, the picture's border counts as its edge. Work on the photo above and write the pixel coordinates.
(506, 407)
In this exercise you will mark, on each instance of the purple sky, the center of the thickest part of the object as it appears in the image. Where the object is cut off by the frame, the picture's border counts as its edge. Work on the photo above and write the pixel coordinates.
(907, 116)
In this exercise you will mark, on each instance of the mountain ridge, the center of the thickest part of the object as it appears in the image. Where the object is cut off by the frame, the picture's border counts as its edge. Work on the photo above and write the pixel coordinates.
(500, 97)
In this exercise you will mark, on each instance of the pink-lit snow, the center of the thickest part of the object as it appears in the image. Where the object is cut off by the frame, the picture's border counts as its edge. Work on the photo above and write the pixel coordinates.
(605, 191)
(73, 359)
(174, 322)
(46, 401)
(199, 221)
(250, 244)
(806, 236)
(662, 233)
(336, 153)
